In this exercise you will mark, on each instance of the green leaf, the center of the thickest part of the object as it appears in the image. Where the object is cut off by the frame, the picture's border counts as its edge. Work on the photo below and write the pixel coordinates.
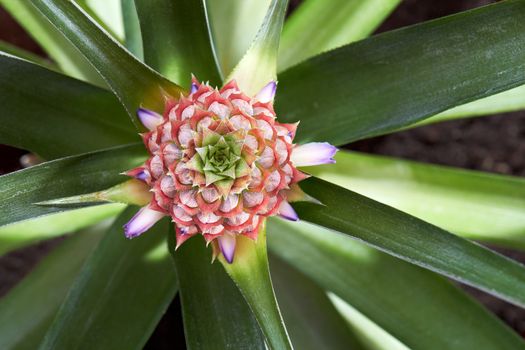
(413, 240)
(133, 36)
(9, 49)
(508, 101)
(317, 26)
(29, 308)
(395, 79)
(107, 13)
(52, 41)
(132, 191)
(311, 319)
(234, 24)
(61, 117)
(62, 178)
(251, 274)
(119, 295)
(177, 40)
(370, 334)
(30, 231)
(259, 65)
(134, 83)
(477, 205)
(419, 308)
(215, 313)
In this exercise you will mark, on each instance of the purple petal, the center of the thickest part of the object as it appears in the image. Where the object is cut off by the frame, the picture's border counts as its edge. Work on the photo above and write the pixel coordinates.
(141, 175)
(287, 212)
(313, 153)
(267, 93)
(149, 118)
(141, 222)
(194, 88)
(227, 245)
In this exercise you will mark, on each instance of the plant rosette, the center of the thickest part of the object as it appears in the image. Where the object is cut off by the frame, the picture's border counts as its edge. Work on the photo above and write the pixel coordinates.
(220, 164)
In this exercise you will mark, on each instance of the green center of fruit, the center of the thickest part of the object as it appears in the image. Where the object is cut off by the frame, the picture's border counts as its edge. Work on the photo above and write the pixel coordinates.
(220, 159)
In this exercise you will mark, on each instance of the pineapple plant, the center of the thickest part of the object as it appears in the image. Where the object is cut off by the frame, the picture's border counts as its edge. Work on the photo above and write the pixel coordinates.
(187, 149)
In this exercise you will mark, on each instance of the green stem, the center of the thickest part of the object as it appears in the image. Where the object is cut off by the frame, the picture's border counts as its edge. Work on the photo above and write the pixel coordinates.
(251, 274)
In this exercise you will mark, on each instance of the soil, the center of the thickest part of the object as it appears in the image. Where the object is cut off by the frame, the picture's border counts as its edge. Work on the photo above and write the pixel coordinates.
(493, 144)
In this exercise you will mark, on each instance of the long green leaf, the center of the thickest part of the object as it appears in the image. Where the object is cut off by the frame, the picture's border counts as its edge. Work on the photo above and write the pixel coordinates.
(10, 49)
(30, 231)
(27, 311)
(370, 334)
(413, 240)
(120, 294)
(133, 36)
(310, 317)
(63, 178)
(234, 24)
(419, 308)
(134, 83)
(508, 101)
(398, 78)
(215, 313)
(251, 274)
(61, 117)
(52, 41)
(107, 13)
(321, 25)
(177, 41)
(259, 65)
(477, 205)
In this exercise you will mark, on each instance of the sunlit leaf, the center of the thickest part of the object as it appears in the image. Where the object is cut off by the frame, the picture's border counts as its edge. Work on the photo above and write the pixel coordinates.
(419, 308)
(215, 313)
(33, 230)
(234, 24)
(27, 311)
(120, 293)
(321, 25)
(508, 101)
(395, 79)
(63, 116)
(133, 36)
(473, 204)
(20, 190)
(107, 13)
(177, 41)
(7, 48)
(259, 65)
(134, 83)
(373, 336)
(57, 47)
(310, 317)
(413, 240)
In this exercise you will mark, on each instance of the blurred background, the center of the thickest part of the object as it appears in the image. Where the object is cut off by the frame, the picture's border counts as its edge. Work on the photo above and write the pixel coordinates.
(494, 144)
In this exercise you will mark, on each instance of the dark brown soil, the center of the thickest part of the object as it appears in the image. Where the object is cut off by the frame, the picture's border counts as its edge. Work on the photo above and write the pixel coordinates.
(494, 144)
